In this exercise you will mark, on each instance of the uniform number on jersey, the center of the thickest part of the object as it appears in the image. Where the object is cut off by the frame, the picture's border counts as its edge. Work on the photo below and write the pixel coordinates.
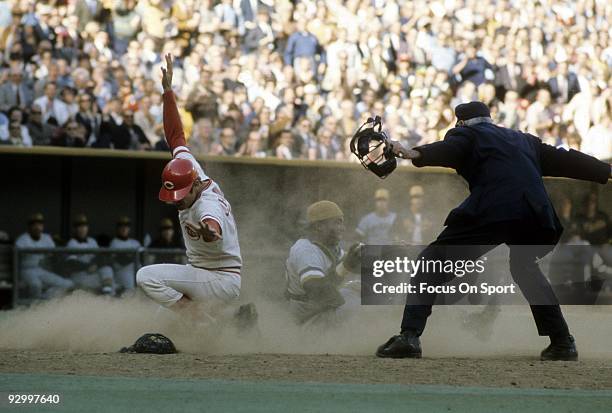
(226, 206)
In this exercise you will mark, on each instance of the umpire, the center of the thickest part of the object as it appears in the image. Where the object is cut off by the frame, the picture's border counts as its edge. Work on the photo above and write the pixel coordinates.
(508, 204)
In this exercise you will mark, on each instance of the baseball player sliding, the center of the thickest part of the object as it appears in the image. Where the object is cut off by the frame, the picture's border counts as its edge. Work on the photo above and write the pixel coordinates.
(212, 278)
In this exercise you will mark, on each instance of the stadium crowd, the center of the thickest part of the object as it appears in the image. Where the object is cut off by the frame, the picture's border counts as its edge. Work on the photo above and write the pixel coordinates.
(295, 79)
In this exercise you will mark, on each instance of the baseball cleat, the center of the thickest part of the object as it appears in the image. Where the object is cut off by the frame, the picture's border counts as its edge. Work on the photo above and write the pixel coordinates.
(107, 290)
(563, 349)
(405, 345)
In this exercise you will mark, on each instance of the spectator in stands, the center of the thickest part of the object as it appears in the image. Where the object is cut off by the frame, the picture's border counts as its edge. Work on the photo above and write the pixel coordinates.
(227, 142)
(280, 62)
(40, 132)
(136, 139)
(119, 131)
(376, 227)
(68, 107)
(564, 85)
(18, 134)
(53, 109)
(473, 68)
(597, 141)
(15, 91)
(88, 117)
(325, 147)
(124, 264)
(304, 139)
(285, 145)
(202, 139)
(34, 271)
(89, 271)
(302, 50)
(539, 115)
(149, 122)
(15, 136)
(253, 146)
(71, 135)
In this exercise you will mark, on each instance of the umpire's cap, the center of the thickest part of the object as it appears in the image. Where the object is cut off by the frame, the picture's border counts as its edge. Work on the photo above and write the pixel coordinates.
(323, 210)
(471, 110)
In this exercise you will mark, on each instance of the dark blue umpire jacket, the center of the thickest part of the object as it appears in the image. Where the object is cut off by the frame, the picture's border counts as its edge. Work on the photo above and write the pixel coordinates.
(504, 170)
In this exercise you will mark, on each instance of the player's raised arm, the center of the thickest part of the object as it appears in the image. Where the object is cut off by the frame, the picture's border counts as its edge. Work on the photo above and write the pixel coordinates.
(173, 127)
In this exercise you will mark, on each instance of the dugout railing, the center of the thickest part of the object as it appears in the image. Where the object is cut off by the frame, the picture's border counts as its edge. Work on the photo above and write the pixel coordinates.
(58, 261)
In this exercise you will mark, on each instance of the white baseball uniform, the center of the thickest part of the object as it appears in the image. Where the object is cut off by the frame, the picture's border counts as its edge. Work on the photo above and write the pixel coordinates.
(37, 278)
(307, 261)
(213, 272)
(124, 273)
(85, 279)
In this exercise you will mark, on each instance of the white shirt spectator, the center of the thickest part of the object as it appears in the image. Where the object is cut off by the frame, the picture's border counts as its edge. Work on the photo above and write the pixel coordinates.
(598, 141)
(57, 109)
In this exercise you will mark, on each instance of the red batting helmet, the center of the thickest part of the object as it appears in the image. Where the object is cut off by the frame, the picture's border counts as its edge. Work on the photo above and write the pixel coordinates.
(177, 178)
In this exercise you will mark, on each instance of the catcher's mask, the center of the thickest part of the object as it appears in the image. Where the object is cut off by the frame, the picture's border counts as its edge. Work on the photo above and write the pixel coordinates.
(151, 343)
(372, 147)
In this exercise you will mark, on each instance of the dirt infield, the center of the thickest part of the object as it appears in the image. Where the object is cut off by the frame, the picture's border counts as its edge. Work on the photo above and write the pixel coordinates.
(521, 372)
(81, 334)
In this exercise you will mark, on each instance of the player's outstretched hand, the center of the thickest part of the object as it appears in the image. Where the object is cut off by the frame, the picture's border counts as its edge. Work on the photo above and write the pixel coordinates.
(202, 228)
(167, 73)
(401, 152)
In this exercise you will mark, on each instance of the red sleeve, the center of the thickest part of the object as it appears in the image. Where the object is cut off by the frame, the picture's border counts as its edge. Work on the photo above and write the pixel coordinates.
(173, 127)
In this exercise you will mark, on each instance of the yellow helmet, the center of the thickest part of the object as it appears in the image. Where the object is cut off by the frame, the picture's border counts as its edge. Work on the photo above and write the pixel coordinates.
(322, 210)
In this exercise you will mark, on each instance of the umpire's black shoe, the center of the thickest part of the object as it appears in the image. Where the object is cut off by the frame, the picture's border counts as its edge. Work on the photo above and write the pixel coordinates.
(561, 349)
(405, 345)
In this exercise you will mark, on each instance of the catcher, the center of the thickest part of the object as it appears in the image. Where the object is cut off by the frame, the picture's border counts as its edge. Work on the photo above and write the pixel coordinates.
(212, 278)
(317, 269)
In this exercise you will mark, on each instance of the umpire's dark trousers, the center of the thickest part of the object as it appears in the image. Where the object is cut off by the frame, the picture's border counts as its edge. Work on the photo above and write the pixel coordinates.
(521, 236)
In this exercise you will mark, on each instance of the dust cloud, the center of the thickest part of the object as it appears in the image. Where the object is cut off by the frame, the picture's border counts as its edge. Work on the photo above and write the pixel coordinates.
(85, 323)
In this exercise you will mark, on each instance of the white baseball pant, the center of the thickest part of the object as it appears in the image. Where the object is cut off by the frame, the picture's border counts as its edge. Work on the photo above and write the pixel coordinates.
(124, 276)
(38, 280)
(167, 283)
(94, 280)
